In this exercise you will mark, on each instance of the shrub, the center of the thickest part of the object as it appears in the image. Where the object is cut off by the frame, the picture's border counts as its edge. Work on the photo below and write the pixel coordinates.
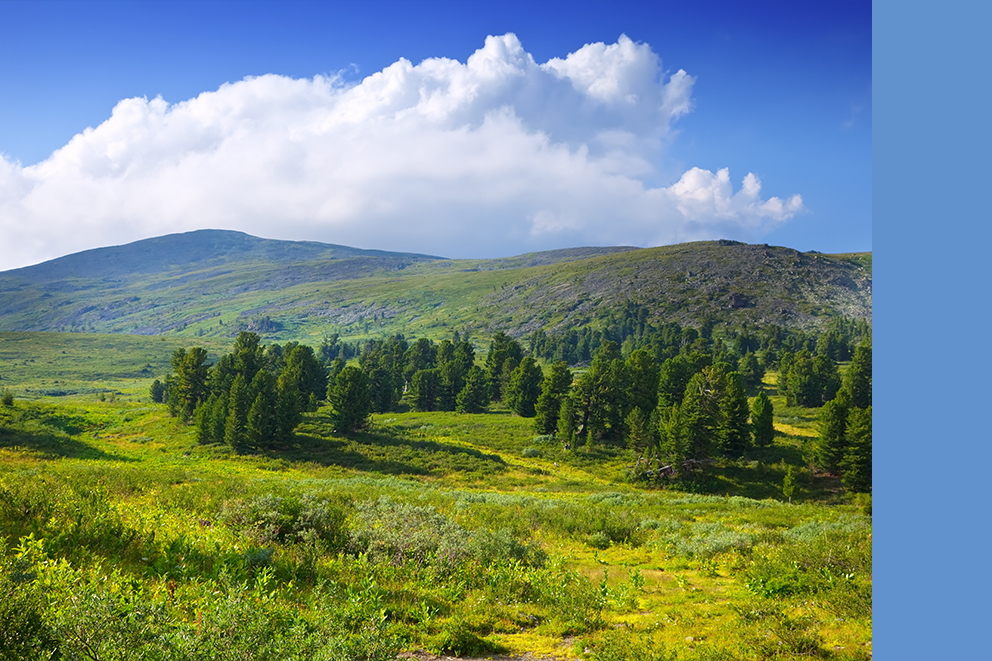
(270, 518)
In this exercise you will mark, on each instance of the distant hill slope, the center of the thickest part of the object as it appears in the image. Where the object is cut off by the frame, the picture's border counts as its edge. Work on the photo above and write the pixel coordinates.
(216, 283)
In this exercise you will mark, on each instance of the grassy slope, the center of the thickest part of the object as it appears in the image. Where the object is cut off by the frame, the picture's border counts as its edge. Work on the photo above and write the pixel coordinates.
(309, 294)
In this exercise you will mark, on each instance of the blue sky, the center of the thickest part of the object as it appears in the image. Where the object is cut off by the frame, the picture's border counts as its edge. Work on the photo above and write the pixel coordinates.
(584, 151)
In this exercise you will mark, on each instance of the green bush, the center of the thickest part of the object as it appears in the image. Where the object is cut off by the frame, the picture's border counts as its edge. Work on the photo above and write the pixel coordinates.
(268, 519)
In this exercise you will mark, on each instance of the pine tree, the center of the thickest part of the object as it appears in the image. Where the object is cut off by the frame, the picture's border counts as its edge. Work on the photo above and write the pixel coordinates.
(642, 379)
(474, 397)
(424, 389)
(189, 388)
(856, 464)
(734, 430)
(351, 400)
(762, 420)
(699, 413)
(257, 430)
(524, 387)
(674, 440)
(639, 436)
(857, 380)
(554, 389)
(789, 484)
(833, 435)
(501, 349)
(237, 416)
(567, 423)
(204, 429)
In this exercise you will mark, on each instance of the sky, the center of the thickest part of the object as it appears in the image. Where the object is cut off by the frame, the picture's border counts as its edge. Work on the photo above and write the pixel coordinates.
(446, 128)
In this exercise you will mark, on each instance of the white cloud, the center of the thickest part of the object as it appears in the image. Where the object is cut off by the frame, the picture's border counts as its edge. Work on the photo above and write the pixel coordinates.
(495, 156)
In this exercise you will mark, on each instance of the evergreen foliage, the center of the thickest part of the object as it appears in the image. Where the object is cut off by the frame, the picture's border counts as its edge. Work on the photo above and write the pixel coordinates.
(351, 400)
(524, 388)
(554, 390)
(762, 420)
(424, 389)
(734, 429)
(857, 380)
(504, 351)
(833, 435)
(474, 397)
(856, 464)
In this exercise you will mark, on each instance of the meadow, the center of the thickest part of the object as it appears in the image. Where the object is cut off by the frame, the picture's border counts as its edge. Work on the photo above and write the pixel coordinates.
(429, 533)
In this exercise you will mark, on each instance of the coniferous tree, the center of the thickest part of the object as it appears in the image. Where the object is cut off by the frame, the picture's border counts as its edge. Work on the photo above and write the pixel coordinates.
(307, 374)
(734, 430)
(189, 387)
(218, 418)
(237, 415)
(639, 436)
(554, 389)
(750, 370)
(351, 400)
(204, 430)
(642, 378)
(501, 349)
(699, 413)
(424, 389)
(833, 435)
(524, 387)
(474, 396)
(856, 464)
(827, 378)
(857, 380)
(762, 420)
(567, 420)
(157, 391)
(257, 427)
(289, 410)
(674, 439)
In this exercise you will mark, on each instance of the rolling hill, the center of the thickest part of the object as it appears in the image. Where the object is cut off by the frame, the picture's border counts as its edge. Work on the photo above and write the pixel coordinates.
(215, 283)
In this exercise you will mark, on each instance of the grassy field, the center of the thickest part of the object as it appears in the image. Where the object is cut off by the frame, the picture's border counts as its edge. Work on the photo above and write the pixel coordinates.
(441, 533)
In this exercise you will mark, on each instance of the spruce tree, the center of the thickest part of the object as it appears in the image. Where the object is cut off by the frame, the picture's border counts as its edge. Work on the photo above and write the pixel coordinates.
(567, 422)
(762, 420)
(857, 380)
(351, 400)
(474, 397)
(833, 435)
(639, 436)
(856, 464)
(554, 389)
(237, 416)
(674, 440)
(699, 414)
(734, 430)
(524, 387)
(642, 381)
(424, 388)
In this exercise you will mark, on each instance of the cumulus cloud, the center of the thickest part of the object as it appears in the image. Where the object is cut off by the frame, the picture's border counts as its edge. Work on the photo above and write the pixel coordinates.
(494, 156)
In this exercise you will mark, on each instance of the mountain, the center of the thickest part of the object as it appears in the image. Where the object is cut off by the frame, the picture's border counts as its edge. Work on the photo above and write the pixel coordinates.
(217, 283)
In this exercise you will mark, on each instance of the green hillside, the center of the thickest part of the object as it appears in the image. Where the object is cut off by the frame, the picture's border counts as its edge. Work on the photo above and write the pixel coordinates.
(214, 283)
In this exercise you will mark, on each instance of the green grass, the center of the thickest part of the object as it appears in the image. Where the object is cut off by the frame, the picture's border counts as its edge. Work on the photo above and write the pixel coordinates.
(115, 525)
(133, 510)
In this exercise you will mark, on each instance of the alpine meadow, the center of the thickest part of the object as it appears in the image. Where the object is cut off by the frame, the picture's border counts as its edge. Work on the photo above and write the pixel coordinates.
(385, 331)
(216, 446)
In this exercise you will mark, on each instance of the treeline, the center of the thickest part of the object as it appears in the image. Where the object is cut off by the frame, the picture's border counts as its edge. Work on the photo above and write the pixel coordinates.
(629, 326)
